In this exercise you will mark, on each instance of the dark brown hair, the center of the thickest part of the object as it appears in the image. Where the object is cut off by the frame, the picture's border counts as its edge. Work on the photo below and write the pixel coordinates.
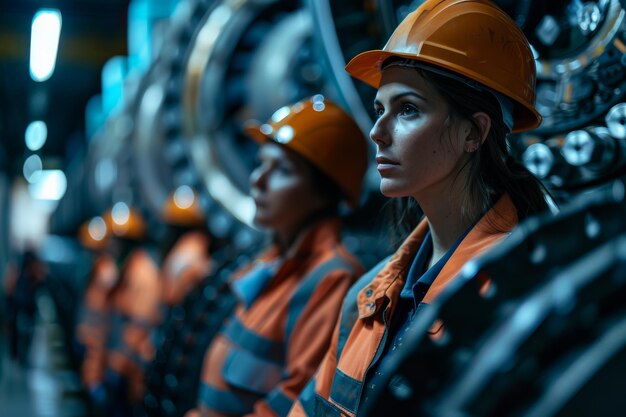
(492, 171)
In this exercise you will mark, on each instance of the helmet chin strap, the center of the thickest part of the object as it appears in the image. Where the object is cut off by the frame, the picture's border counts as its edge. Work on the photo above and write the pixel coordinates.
(506, 105)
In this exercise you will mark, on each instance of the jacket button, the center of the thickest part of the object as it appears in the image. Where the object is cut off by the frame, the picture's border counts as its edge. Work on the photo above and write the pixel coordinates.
(369, 292)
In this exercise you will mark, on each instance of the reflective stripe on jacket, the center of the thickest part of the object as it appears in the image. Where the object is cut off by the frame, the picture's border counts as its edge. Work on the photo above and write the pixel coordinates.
(359, 337)
(266, 353)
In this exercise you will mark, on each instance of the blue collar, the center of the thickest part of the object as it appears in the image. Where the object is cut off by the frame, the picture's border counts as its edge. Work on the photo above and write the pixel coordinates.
(248, 287)
(420, 277)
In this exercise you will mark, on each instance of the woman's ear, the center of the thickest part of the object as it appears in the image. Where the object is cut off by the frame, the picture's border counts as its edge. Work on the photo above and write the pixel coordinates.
(483, 121)
(479, 132)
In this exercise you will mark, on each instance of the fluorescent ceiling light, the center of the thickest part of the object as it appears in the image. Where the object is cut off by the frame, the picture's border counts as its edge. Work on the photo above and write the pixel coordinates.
(36, 135)
(32, 168)
(51, 185)
(106, 173)
(44, 43)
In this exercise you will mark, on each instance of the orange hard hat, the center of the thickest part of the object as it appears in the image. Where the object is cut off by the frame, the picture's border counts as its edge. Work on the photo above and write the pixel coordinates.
(473, 38)
(94, 234)
(125, 222)
(182, 208)
(325, 135)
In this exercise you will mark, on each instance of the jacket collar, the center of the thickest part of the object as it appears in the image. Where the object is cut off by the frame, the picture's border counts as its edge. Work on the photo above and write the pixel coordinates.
(317, 238)
(495, 225)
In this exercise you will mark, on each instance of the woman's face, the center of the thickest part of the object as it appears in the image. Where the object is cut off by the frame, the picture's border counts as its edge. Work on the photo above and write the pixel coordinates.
(282, 187)
(420, 148)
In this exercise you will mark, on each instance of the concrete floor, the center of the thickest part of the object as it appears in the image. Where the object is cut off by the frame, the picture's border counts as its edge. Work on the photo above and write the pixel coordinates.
(45, 386)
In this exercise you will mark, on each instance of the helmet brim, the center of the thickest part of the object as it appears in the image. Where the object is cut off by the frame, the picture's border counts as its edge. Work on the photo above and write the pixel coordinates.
(366, 67)
(252, 129)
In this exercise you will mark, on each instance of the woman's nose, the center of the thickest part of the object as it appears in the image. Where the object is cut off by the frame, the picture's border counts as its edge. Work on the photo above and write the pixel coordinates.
(257, 177)
(379, 132)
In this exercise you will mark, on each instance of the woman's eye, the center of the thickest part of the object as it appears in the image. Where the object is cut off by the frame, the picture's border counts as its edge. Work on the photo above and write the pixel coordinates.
(378, 112)
(283, 169)
(408, 110)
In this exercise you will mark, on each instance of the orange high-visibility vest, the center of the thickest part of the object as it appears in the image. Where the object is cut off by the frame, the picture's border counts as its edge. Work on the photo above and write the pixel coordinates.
(135, 312)
(270, 348)
(184, 267)
(357, 341)
(92, 327)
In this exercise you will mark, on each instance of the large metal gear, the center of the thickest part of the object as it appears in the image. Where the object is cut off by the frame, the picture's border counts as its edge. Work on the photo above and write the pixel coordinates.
(233, 73)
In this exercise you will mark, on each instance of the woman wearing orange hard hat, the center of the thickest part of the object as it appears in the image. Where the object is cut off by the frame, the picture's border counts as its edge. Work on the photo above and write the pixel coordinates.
(185, 247)
(454, 79)
(289, 298)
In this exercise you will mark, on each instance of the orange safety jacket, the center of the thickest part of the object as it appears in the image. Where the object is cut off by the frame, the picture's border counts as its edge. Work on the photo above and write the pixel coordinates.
(91, 330)
(135, 313)
(271, 346)
(184, 267)
(358, 340)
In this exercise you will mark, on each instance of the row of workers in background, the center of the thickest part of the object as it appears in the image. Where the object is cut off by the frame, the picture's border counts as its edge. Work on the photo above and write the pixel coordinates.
(288, 298)
(455, 78)
(131, 287)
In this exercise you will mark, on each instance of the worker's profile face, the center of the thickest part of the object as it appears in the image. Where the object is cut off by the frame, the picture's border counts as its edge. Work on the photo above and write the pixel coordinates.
(420, 148)
(282, 189)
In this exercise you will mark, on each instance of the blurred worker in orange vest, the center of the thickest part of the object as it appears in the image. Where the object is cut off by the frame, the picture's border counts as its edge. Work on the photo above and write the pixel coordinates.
(185, 249)
(185, 246)
(134, 311)
(92, 323)
(291, 295)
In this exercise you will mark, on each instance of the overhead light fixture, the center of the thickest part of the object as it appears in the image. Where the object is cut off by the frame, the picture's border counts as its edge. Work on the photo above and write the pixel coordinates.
(44, 43)
(51, 185)
(106, 173)
(32, 168)
(36, 135)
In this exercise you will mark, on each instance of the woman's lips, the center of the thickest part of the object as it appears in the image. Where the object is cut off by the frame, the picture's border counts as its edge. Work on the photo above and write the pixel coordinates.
(385, 164)
(259, 202)
(257, 197)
